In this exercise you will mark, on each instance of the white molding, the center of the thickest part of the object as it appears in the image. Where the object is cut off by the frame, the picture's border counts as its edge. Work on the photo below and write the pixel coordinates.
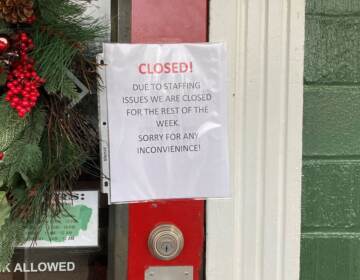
(256, 235)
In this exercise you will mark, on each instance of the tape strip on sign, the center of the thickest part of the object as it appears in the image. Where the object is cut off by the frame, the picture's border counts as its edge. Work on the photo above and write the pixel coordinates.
(167, 121)
(103, 126)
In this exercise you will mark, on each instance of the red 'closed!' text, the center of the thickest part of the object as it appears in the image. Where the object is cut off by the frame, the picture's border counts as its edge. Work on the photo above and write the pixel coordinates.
(165, 68)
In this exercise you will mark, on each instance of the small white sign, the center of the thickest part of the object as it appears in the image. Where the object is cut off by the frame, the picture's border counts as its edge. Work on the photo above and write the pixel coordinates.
(167, 119)
(76, 227)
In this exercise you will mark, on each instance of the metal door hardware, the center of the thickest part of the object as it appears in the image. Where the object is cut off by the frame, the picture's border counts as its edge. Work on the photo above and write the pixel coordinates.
(166, 242)
(169, 273)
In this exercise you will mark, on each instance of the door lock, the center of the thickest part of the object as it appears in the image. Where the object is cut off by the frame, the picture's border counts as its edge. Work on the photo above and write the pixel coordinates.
(166, 242)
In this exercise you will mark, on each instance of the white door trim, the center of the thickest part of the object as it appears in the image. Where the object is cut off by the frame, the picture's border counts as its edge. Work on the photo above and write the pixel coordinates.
(256, 235)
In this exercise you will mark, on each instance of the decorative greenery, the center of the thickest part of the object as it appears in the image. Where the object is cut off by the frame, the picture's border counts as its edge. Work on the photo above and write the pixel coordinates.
(4, 208)
(43, 150)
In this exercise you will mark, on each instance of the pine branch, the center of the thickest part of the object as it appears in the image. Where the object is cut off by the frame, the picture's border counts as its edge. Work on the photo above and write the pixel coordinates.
(12, 234)
(11, 125)
(53, 57)
(69, 89)
(23, 159)
(35, 127)
(68, 19)
(25, 162)
(62, 34)
(4, 209)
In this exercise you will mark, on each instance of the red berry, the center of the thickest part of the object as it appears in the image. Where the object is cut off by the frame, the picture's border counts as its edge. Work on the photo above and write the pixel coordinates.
(4, 44)
(2, 155)
(31, 20)
(25, 103)
(23, 82)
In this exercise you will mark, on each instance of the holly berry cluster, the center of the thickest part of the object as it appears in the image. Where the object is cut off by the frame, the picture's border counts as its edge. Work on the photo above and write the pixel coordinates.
(23, 82)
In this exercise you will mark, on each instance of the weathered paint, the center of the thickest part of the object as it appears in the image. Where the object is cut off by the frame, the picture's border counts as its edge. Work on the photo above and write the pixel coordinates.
(331, 196)
(333, 7)
(331, 52)
(330, 258)
(331, 166)
(331, 121)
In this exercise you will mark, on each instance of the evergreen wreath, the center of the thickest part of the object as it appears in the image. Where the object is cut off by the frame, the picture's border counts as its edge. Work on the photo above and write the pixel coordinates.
(45, 141)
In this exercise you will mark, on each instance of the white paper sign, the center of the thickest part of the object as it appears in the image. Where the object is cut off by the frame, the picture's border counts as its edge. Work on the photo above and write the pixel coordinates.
(167, 114)
(78, 230)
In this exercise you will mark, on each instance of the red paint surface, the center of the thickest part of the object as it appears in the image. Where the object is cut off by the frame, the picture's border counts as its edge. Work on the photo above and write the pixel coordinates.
(186, 215)
(167, 21)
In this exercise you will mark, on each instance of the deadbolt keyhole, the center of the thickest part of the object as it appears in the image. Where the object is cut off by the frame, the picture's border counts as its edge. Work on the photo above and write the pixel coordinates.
(166, 242)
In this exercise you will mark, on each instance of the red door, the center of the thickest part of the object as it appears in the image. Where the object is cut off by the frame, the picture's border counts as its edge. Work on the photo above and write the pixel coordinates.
(164, 21)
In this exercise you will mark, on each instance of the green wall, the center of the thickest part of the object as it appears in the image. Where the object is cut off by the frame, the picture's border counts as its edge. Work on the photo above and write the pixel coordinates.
(331, 157)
